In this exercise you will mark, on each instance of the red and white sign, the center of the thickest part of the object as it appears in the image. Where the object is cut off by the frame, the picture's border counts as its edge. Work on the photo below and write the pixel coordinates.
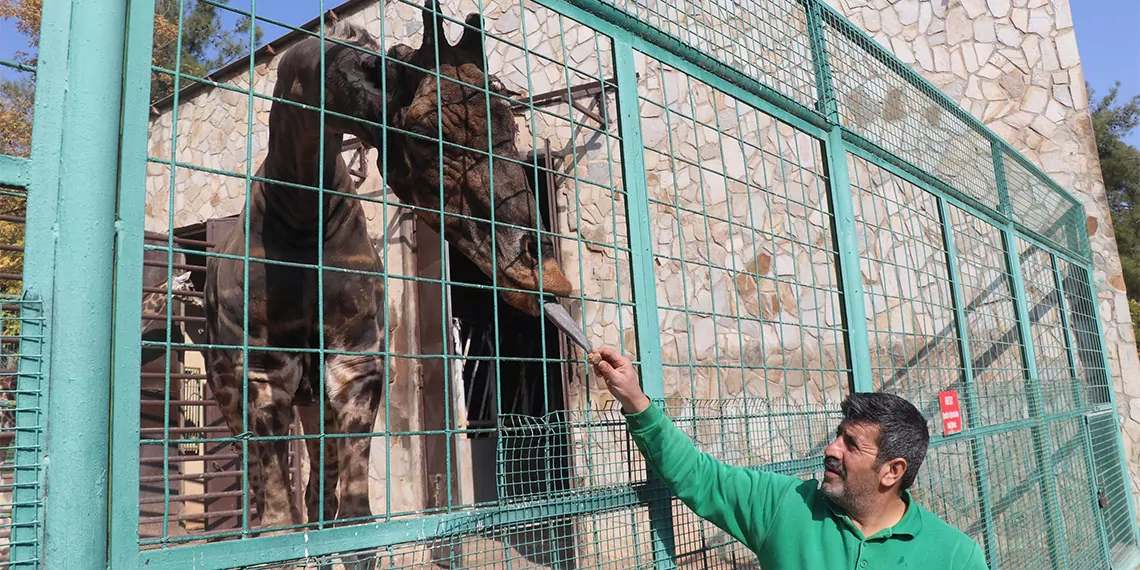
(951, 415)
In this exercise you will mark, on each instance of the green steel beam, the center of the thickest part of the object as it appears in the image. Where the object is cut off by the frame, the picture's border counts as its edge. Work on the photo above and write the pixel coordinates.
(1003, 189)
(1054, 536)
(419, 530)
(976, 448)
(825, 103)
(850, 274)
(69, 263)
(126, 354)
(14, 171)
(644, 281)
(839, 190)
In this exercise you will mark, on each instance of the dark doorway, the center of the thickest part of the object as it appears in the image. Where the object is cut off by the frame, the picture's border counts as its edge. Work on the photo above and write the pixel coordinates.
(518, 403)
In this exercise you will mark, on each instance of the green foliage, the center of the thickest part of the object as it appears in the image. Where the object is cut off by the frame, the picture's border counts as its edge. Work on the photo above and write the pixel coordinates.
(1120, 166)
(1134, 308)
(206, 44)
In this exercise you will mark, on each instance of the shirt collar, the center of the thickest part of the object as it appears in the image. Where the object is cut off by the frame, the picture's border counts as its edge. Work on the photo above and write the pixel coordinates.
(909, 525)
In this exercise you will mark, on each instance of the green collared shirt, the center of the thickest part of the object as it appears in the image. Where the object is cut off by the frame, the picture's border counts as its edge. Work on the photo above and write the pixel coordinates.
(788, 522)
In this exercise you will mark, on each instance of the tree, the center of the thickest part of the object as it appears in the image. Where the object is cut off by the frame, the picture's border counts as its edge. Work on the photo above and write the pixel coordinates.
(205, 46)
(1120, 168)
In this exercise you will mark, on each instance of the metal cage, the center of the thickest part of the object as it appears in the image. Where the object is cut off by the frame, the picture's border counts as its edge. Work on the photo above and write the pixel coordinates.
(763, 207)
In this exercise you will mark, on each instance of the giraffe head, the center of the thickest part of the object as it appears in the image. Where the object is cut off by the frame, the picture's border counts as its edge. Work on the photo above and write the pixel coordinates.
(454, 138)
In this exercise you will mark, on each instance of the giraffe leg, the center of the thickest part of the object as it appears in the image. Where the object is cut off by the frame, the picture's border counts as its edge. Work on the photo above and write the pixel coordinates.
(355, 389)
(310, 419)
(272, 382)
(270, 414)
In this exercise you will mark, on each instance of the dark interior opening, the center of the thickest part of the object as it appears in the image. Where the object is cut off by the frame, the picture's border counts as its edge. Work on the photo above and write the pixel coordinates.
(517, 404)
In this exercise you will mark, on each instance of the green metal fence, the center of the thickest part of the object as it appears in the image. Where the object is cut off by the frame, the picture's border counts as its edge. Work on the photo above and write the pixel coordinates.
(763, 207)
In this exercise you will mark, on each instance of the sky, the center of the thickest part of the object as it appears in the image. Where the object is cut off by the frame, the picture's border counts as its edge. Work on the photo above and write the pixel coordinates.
(1108, 39)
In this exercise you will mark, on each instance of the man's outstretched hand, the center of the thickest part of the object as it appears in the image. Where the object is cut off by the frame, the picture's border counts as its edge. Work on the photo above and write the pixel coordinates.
(621, 379)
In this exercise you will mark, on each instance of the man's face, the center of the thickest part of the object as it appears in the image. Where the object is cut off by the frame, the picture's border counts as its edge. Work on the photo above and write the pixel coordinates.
(849, 476)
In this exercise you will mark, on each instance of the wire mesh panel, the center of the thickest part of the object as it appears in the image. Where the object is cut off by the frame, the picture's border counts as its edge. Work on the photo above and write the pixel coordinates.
(991, 322)
(745, 262)
(1083, 332)
(1042, 209)
(21, 390)
(477, 384)
(749, 312)
(1111, 486)
(1069, 459)
(748, 432)
(949, 486)
(1018, 509)
(766, 40)
(910, 312)
(1059, 389)
(881, 100)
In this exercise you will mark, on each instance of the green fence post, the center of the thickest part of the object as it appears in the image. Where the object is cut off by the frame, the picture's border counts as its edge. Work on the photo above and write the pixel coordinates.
(976, 448)
(126, 355)
(1033, 393)
(69, 264)
(644, 282)
(839, 189)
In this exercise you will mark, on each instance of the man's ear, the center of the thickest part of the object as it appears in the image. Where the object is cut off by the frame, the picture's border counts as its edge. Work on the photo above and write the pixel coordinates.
(891, 472)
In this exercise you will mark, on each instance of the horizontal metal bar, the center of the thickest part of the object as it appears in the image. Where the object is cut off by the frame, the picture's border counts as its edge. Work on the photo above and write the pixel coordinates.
(190, 517)
(189, 458)
(163, 291)
(183, 266)
(175, 318)
(177, 403)
(14, 171)
(191, 477)
(195, 497)
(155, 236)
(17, 65)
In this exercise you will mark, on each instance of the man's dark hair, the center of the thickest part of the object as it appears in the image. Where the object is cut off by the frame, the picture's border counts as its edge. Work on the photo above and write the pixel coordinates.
(902, 429)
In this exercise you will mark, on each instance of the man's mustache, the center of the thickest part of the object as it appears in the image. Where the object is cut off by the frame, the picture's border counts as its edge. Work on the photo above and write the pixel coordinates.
(832, 464)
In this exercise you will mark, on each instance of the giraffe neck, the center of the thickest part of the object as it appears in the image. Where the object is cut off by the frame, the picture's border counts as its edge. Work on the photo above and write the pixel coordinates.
(292, 159)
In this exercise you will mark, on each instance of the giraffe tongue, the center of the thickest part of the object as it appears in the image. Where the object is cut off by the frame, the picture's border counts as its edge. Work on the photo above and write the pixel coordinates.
(566, 324)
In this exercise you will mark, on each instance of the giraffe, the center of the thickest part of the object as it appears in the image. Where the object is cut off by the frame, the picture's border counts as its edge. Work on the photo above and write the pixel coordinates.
(154, 303)
(284, 226)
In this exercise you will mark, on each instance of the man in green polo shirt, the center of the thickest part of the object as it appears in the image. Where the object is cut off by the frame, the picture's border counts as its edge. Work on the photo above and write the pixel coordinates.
(860, 516)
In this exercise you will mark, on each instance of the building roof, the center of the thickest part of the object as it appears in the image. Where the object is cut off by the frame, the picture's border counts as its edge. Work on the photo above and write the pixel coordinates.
(266, 51)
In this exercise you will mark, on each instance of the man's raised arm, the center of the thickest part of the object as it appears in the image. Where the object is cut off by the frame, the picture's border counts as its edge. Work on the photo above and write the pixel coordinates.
(738, 500)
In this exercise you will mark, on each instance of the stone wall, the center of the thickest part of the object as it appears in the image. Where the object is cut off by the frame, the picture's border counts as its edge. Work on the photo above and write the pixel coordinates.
(1015, 65)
